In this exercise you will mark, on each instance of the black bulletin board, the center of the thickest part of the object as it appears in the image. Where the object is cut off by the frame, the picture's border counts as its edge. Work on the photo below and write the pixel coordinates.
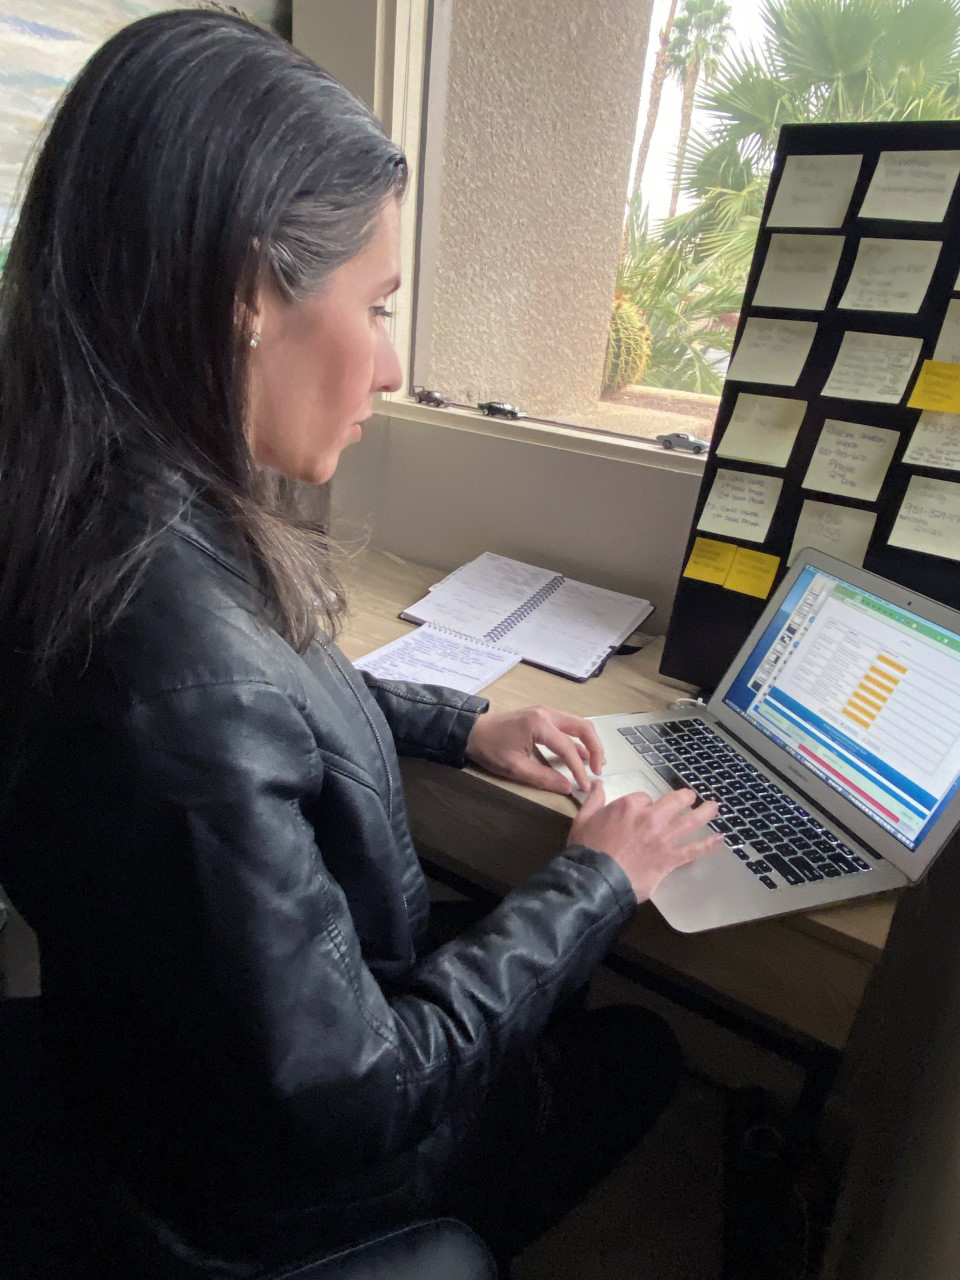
(709, 622)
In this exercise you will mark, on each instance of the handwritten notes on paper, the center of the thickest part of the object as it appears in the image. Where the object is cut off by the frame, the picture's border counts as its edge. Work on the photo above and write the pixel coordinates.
(843, 532)
(814, 191)
(937, 388)
(929, 518)
(851, 458)
(912, 186)
(772, 351)
(798, 272)
(872, 366)
(948, 340)
(935, 441)
(431, 655)
(752, 573)
(891, 275)
(741, 504)
(736, 568)
(710, 561)
(762, 429)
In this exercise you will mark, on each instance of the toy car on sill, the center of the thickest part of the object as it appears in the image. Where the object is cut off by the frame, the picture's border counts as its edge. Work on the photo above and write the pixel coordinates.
(423, 395)
(681, 440)
(500, 409)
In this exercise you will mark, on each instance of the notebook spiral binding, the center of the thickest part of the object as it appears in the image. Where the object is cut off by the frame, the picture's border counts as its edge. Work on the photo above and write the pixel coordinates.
(496, 634)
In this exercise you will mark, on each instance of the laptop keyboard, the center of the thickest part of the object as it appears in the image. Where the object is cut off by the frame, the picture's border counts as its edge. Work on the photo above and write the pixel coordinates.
(773, 836)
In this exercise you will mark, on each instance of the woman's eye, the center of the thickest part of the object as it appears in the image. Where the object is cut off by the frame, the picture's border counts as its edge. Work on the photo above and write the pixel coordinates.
(383, 312)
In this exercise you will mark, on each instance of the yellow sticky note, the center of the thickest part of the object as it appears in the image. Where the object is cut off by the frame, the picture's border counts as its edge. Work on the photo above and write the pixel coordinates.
(752, 572)
(938, 387)
(710, 561)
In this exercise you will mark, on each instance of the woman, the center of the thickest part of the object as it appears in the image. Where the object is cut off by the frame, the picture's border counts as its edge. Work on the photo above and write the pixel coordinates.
(202, 812)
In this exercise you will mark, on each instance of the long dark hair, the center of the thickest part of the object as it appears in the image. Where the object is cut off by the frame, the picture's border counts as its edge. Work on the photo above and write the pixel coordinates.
(195, 156)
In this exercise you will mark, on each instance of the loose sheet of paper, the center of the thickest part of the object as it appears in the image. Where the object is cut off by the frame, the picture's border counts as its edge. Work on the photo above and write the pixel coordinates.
(815, 191)
(741, 504)
(935, 441)
(798, 272)
(431, 655)
(851, 458)
(948, 341)
(929, 518)
(762, 429)
(891, 275)
(873, 366)
(710, 561)
(843, 532)
(937, 387)
(772, 351)
(912, 186)
(752, 573)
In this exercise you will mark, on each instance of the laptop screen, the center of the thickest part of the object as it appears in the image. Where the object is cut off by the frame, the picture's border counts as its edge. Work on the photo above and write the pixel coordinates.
(864, 694)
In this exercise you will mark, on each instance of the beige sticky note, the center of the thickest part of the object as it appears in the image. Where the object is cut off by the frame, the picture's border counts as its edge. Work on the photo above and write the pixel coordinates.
(891, 275)
(709, 560)
(843, 532)
(773, 351)
(762, 429)
(929, 518)
(798, 272)
(937, 387)
(814, 191)
(948, 340)
(935, 441)
(851, 459)
(740, 505)
(912, 186)
(752, 573)
(873, 366)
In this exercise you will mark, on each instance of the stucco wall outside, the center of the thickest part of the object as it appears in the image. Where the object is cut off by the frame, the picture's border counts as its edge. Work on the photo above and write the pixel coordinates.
(541, 113)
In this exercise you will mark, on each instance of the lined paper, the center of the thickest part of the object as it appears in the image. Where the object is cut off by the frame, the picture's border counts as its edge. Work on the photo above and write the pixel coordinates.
(431, 655)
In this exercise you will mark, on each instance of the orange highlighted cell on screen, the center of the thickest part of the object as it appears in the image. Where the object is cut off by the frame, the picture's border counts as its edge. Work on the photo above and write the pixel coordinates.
(861, 708)
(883, 678)
(889, 662)
(870, 698)
(860, 720)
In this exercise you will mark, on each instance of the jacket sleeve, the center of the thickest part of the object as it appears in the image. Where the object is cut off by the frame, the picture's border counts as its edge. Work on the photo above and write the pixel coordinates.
(427, 720)
(351, 1073)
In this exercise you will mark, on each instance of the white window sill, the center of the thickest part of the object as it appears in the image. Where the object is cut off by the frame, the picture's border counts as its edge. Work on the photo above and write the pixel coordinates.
(553, 435)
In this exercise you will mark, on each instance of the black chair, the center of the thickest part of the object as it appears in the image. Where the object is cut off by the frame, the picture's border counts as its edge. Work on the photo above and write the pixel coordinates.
(34, 1203)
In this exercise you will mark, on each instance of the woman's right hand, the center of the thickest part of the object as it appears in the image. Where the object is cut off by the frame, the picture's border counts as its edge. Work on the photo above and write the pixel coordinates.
(648, 838)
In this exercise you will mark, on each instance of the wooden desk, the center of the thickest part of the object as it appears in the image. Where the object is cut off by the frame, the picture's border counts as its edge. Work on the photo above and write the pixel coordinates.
(804, 973)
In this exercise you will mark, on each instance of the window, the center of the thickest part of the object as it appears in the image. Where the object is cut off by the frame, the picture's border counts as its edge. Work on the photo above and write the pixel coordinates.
(593, 179)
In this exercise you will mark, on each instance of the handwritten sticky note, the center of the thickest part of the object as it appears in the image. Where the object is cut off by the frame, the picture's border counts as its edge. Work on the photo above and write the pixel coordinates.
(740, 504)
(935, 441)
(752, 573)
(772, 351)
(709, 560)
(948, 340)
(937, 388)
(798, 272)
(814, 191)
(912, 186)
(762, 429)
(929, 518)
(873, 366)
(851, 458)
(843, 532)
(891, 275)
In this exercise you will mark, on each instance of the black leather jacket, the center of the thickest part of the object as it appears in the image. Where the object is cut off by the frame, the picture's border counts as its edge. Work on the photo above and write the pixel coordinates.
(208, 833)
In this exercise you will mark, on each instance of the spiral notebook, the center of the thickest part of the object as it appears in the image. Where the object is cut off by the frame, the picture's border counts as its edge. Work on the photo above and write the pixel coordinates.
(552, 621)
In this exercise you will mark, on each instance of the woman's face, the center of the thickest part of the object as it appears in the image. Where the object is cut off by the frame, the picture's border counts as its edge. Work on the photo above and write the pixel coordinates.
(320, 361)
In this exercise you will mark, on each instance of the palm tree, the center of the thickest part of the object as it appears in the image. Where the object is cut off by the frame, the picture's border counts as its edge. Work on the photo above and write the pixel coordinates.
(658, 78)
(695, 49)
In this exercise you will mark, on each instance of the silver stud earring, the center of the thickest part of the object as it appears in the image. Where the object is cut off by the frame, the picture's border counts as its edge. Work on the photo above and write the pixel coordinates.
(255, 338)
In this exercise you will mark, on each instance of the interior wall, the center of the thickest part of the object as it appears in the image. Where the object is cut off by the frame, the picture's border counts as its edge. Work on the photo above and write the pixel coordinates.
(440, 496)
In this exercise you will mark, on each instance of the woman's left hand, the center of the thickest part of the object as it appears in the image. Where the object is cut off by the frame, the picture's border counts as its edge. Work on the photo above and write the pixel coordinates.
(506, 743)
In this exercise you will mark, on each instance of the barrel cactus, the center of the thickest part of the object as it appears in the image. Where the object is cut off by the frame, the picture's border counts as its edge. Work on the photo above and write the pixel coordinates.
(628, 345)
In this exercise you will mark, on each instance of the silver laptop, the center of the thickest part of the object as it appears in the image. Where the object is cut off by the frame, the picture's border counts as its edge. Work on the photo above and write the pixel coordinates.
(832, 743)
